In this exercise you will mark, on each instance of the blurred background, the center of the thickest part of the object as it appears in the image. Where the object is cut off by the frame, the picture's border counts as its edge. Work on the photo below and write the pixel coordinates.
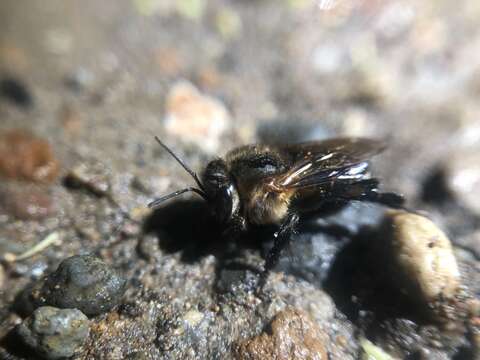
(85, 85)
(100, 78)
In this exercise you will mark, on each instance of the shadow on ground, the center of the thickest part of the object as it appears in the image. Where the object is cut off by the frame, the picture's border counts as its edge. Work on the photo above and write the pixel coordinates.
(337, 252)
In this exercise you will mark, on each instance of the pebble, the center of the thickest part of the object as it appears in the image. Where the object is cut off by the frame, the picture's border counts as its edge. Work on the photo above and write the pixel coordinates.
(292, 335)
(83, 282)
(23, 156)
(27, 203)
(86, 283)
(462, 178)
(423, 257)
(195, 117)
(55, 333)
(92, 177)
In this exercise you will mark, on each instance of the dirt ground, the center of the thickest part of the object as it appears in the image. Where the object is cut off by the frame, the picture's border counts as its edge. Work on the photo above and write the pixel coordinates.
(96, 80)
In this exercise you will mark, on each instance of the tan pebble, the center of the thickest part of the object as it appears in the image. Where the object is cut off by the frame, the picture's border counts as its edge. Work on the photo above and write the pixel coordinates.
(92, 177)
(195, 117)
(423, 255)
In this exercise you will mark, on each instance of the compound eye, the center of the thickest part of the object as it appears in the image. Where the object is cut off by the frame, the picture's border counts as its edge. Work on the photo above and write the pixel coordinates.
(223, 204)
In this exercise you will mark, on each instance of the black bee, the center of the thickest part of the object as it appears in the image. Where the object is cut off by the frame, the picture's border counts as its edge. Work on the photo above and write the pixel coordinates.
(276, 184)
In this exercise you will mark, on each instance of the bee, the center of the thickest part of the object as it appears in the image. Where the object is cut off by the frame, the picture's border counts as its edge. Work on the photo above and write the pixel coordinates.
(264, 184)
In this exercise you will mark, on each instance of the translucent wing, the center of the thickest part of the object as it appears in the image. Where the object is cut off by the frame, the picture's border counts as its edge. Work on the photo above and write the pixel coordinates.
(316, 163)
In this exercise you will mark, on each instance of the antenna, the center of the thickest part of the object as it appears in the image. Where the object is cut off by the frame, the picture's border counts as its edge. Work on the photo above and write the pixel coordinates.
(156, 203)
(190, 171)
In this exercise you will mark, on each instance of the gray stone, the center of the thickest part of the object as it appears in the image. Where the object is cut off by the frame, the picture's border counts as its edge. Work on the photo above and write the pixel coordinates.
(86, 283)
(83, 282)
(55, 333)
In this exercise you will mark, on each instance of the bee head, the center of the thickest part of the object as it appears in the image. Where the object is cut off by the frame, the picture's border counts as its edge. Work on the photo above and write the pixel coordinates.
(220, 191)
(216, 187)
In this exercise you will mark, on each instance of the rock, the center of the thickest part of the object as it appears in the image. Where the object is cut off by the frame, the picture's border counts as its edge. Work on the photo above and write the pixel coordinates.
(55, 333)
(195, 117)
(26, 157)
(83, 282)
(16, 92)
(86, 283)
(93, 177)
(292, 335)
(422, 256)
(462, 178)
(27, 203)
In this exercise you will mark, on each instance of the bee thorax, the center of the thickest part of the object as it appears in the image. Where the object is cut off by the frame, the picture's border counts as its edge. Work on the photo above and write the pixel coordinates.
(268, 207)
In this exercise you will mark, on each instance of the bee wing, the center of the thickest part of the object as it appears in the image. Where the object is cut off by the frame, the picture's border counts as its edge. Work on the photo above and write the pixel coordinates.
(318, 162)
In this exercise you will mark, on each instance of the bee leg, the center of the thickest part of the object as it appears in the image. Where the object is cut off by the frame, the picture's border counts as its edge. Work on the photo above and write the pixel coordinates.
(282, 238)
